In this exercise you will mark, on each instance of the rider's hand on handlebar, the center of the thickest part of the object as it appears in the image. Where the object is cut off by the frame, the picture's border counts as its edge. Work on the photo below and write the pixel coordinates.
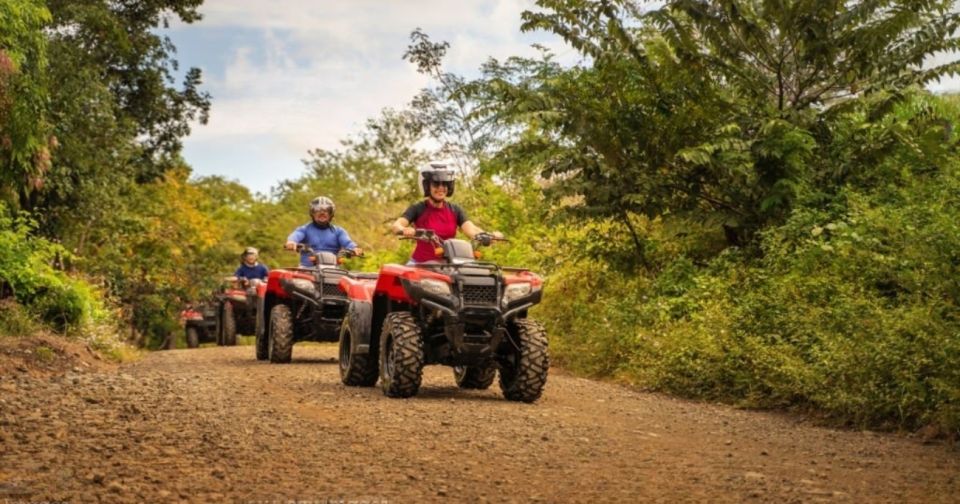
(290, 245)
(484, 238)
(408, 232)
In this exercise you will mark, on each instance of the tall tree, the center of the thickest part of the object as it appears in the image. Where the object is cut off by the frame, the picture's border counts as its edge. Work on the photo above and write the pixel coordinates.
(25, 140)
(444, 111)
(115, 110)
(118, 42)
(791, 55)
(718, 111)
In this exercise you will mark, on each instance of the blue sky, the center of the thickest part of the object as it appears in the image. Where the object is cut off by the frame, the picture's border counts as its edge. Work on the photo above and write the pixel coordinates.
(293, 75)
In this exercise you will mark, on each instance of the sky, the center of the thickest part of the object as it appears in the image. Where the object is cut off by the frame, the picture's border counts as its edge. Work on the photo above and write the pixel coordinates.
(292, 75)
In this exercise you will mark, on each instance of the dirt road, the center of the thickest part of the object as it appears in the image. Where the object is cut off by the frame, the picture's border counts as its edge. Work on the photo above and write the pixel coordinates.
(213, 425)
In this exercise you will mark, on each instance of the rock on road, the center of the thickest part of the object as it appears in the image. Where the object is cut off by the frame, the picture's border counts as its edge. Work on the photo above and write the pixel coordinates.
(214, 425)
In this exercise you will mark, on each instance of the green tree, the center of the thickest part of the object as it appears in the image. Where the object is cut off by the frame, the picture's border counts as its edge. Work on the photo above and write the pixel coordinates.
(158, 253)
(445, 112)
(803, 65)
(115, 110)
(25, 140)
(716, 113)
(118, 41)
(790, 56)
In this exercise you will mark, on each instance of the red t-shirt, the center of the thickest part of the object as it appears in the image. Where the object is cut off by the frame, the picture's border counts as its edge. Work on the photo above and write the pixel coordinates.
(444, 221)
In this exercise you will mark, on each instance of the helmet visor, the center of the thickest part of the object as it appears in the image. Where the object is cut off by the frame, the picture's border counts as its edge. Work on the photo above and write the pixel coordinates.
(442, 176)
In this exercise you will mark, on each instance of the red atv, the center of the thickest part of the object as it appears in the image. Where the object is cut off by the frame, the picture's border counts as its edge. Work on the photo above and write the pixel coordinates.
(237, 309)
(300, 304)
(458, 312)
(199, 323)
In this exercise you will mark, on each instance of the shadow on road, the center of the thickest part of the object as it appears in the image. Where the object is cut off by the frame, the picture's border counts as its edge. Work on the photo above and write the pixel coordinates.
(295, 362)
(428, 393)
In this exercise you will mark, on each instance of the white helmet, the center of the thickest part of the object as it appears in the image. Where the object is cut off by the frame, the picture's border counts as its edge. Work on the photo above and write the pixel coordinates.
(321, 203)
(437, 171)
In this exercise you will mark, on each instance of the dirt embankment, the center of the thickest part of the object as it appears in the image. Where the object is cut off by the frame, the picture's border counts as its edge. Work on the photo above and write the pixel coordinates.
(215, 425)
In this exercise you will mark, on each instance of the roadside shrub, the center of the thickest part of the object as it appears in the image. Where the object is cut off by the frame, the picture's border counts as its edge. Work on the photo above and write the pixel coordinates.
(15, 320)
(851, 311)
(28, 275)
(848, 307)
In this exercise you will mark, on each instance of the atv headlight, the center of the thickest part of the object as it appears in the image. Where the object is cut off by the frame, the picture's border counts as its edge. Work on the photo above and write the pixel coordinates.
(304, 285)
(435, 287)
(516, 291)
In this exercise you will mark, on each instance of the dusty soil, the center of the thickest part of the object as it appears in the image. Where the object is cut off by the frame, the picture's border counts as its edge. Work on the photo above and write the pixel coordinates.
(214, 425)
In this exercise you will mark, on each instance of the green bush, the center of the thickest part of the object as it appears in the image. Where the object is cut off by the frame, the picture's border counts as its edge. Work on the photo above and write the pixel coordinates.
(851, 311)
(27, 272)
(15, 320)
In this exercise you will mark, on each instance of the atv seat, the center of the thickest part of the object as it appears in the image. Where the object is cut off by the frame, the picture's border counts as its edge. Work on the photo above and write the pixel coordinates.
(326, 259)
(458, 249)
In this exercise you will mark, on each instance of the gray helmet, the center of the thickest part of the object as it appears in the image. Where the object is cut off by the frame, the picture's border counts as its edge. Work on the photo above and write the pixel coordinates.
(249, 251)
(322, 203)
(437, 171)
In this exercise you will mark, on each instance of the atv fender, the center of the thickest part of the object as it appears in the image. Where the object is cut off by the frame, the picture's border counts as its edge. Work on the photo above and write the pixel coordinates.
(359, 319)
(264, 305)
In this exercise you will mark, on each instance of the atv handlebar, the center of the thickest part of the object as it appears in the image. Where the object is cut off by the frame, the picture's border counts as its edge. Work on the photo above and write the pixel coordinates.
(344, 253)
(486, 239)
(243, 282)
(424, 235)
(429, 236)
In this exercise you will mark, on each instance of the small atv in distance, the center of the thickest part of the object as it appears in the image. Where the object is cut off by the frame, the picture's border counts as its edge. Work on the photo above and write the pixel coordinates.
(458, 312)
(301, 304)
(200, 324)
(237, 302)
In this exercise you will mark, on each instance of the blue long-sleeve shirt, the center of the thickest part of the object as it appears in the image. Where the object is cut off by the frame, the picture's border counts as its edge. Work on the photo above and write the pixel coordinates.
(329, 239)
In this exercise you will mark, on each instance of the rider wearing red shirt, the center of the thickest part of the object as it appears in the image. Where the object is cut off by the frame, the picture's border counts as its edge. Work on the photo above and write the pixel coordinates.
(437, 214)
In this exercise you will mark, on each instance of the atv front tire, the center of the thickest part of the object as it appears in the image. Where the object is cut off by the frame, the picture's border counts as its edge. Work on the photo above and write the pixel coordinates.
(473, 377)
(281, 334)
(401, 356)
(229, 325)
(523, 373)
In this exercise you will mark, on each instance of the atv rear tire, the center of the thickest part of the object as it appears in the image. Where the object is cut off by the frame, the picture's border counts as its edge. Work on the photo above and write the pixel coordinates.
(281, 334)
(229, 325)
(401, 356)
(356, 370)
(193, 338)
(523, 373)
(473, 377)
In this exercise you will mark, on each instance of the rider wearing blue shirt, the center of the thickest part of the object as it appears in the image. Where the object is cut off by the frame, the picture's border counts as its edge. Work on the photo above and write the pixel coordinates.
(250, 268)
(320, 234)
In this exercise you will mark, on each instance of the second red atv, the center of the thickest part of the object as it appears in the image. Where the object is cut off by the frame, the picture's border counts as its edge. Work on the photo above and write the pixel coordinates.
(300, 304)
(458, 312)
(237, 309)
